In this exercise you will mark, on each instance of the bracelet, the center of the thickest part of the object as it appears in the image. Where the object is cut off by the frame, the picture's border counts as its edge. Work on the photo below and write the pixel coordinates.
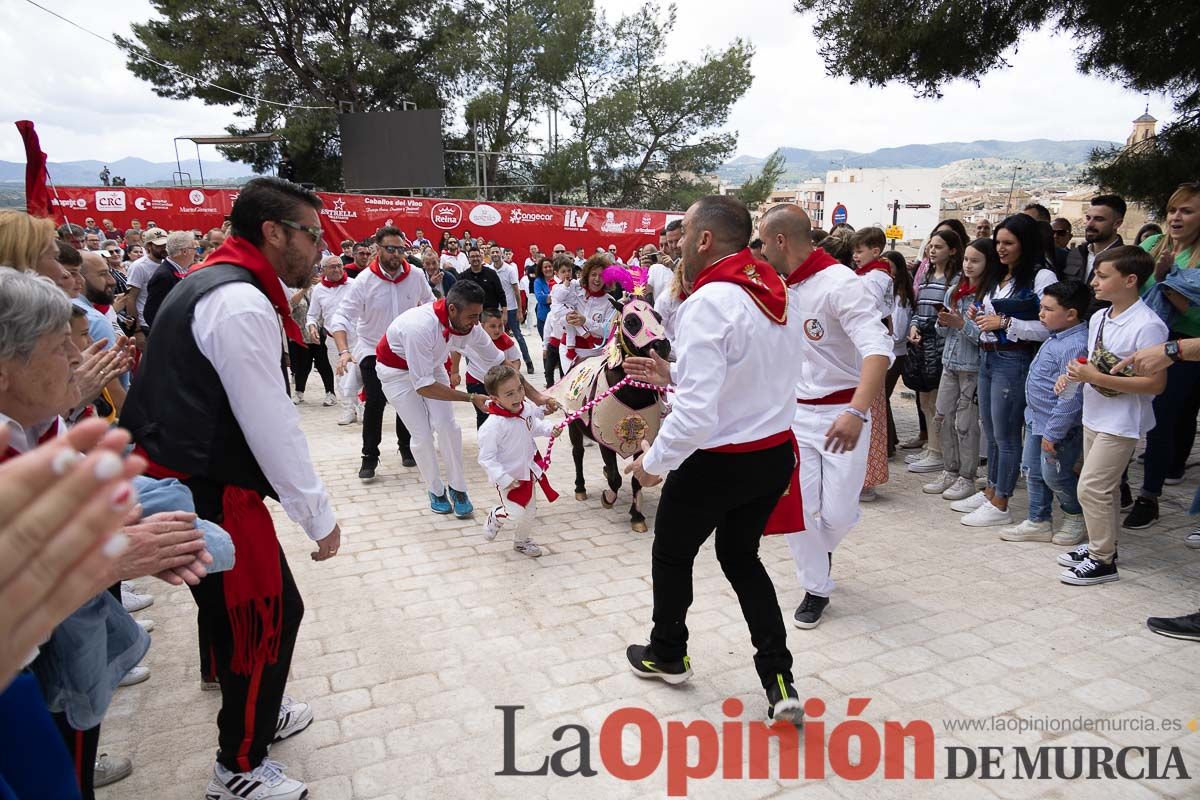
(343, 352)
(854, 411)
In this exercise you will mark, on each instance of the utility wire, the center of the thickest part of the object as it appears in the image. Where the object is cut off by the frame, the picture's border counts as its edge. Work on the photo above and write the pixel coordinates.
(146, 56)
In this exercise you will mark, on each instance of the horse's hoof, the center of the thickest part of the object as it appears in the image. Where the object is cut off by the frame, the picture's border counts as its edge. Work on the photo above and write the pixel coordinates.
(639, 526)
(581, 495)
(604, 501)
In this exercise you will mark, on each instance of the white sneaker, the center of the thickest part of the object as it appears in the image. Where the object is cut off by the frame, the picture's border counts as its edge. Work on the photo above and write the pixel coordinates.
(986, 516)
(264, 782)
(146, 624)
(1073, 531)
(1193, 539)
(134, 601)
(294, 717)
(969, 503)
(868, 495)
(492, 526)
(961, 489)
(347, 417)
(110, 769)
(297, 398)
(931, 463)
(526, 547)
(940, 483)
(920, 455)
(330, 400)
(1027, 531)
(135, 675)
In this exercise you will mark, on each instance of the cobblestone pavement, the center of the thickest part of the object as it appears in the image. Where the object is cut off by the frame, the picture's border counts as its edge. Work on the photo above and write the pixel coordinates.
(419, 628)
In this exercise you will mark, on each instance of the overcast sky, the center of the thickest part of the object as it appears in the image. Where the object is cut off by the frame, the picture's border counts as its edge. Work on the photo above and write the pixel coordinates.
(87, 106)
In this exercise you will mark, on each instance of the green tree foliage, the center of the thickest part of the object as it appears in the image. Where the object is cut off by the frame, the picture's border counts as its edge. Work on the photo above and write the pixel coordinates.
(926, 43)
(758, 188)
(644, 131)
(315, 53)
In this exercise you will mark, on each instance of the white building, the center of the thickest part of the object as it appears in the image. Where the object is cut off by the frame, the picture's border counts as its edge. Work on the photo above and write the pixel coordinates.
(865, 197)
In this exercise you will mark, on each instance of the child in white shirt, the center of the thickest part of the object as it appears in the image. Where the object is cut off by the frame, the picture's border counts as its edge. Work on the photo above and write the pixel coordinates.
(1117, 409)
(509, 455)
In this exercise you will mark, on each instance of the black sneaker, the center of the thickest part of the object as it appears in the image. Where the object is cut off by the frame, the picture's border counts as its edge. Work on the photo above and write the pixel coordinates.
(1143, 515)
(644, 664)
(1090, 572)
(808, 615)
(529, 367)
(1126, 497)
(783, 703)
(406, 458)
(1185, 627)
(1073, 558)
(366, 472)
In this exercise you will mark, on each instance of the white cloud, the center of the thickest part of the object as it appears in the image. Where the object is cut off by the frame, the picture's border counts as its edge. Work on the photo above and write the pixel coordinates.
(88, 106)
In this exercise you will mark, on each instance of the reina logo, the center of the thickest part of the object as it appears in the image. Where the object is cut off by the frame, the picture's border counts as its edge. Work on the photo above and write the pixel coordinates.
(446, 216)
(339, 213)
(576, 220)
(517, 216)
(110, 201)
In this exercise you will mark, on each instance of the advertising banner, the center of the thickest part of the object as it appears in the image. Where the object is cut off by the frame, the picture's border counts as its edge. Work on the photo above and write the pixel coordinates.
(358, 216)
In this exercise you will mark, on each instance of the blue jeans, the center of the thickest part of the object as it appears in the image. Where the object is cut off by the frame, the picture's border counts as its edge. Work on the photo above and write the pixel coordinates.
(1170, 442)
(1050, 476)
(514, 330)
(1002, 414)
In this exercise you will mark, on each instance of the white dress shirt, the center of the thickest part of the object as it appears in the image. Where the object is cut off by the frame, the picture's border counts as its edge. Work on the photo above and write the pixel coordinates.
(324, 302)
(507, 447)
(735, 376)
(417, 337)
(882, 291)
(1020, 330)
(372, 303)
(24, 439)
(659, 280)
(667, 306)
(456, 263)
(1127, 415)
(842, 326)
(238, 331)
(508, 277)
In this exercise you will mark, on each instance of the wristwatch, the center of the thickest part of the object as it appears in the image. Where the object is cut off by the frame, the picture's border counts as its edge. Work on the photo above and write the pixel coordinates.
(1171, 348)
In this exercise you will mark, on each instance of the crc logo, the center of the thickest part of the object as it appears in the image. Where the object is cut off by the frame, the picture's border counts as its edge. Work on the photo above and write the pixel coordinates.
(446, 216)
(484, 216)
(575, 220)
(196, 197)
(110, 201)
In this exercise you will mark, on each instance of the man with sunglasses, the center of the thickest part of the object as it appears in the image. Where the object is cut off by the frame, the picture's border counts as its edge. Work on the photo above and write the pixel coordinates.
(360, 261)
(452, 259)
(382, 292)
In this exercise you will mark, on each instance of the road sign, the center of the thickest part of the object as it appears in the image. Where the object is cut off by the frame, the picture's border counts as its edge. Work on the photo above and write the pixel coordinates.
(839, 214)
(894, 232)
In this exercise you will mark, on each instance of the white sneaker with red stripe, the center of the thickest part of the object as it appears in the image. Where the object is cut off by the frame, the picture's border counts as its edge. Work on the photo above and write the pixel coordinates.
(264, 782)
(294, 717)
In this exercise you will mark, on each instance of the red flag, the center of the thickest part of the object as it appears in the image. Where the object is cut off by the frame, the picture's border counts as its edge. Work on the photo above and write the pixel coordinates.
(37, 196)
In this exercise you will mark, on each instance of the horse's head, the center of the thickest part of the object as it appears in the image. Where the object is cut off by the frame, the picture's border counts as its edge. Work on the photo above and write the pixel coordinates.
(639, 328)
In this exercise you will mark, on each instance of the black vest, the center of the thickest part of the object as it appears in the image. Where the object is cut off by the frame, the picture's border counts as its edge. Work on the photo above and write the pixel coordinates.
(177, 409)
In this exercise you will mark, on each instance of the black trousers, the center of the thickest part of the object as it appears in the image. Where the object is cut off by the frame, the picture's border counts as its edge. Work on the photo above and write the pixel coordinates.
(1169, 444)
(249, 703)
(372, 423)
(478, 388)
(889, 386)
(304, 357)
(81, 747)
(733, 493)
(551, 361)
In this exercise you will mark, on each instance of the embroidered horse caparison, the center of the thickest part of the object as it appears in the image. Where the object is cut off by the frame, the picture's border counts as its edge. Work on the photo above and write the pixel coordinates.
(620, 422)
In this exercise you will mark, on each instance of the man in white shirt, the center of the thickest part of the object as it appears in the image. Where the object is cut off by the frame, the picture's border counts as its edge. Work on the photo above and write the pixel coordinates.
(412, 358)
(140, 273)
(323, 303)
(727, 445)
(847, 352)
(509, 282)
(659, 276)
(454, 260)
(534, 256)
(385, 290)
(211, 406)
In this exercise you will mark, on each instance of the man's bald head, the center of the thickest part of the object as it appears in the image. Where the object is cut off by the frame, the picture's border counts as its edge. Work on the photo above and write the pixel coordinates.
(786, 232)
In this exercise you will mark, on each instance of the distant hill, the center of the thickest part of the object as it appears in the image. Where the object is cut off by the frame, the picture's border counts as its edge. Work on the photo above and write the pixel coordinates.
(135, 171)
(802, 164)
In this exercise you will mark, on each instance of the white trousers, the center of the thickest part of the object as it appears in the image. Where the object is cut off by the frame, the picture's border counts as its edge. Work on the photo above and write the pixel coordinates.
(830, 484)
(348, 385)
(513, 516)
(423, 418)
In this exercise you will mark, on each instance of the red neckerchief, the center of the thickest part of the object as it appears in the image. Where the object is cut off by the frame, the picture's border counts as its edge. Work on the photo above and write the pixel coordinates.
(443, 316)
(241, 253)
(881, 264)
(379, 273)
(325, 282)
(103, 309)
(600, 293)
(503, 342)
(500, 411)
(51, 433)
(756, 278)
(817, 260)
(962, 290)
